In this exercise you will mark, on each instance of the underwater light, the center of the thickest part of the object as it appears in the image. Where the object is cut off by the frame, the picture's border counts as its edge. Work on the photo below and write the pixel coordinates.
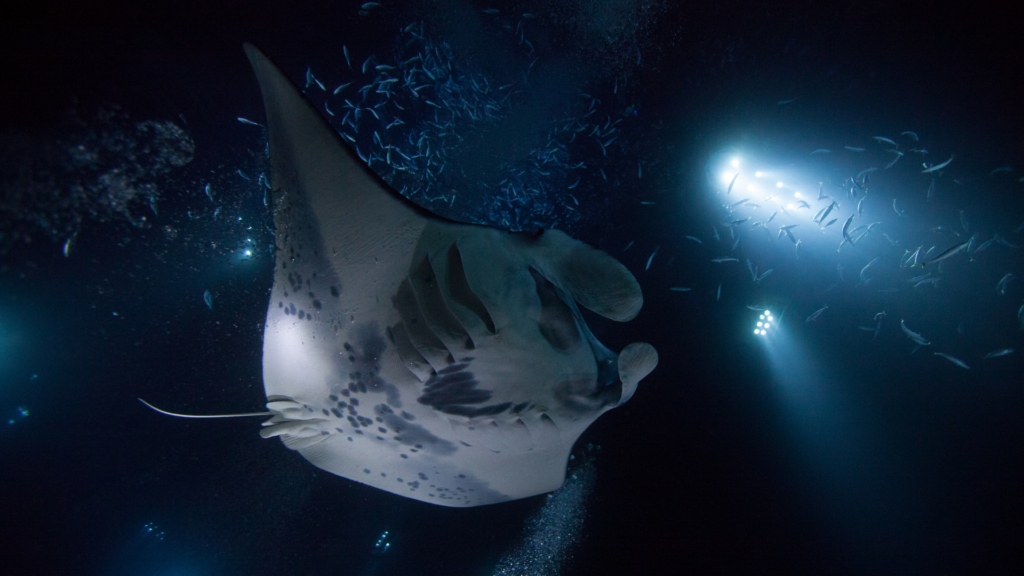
(735, 162)
(764, 323)
(758, 174)
(778, 184)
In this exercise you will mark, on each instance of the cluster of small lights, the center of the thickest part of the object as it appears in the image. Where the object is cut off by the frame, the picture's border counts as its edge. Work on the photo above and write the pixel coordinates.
(21, 413)
(764, 323)
(382, 544)
(153, 529)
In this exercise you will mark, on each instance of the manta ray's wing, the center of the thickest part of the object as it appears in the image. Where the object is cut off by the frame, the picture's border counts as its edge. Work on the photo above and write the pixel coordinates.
(439, 361)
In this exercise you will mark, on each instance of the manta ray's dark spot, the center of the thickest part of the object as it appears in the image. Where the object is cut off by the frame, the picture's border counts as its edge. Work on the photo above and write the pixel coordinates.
(302, 314)
(335, 292)
(317, 304)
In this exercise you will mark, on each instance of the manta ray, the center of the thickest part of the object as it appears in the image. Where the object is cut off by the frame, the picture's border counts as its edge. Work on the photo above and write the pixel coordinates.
(437, 360)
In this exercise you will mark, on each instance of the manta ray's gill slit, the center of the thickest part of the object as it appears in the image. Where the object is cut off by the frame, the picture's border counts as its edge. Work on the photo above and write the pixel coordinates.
(422, 337)
(461, 292)
(434, 308)
(413, 360)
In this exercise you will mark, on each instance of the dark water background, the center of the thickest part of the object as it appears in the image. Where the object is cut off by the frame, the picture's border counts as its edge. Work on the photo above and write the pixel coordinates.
(829, 451)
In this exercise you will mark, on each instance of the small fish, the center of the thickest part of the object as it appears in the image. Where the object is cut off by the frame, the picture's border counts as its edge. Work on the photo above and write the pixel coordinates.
(879, 316)
(821, 151)
(948, 253)
(733, 181)
(931, 190)
(680, 289)
(830, 222)
(853, 149)
(772, 217)
(717, 237)
(802, 204)
(721, 260)
(348, 60)
(846, 229)
(884, 139)
(1020, 317)
(860, 207)
(573, 185)
(208, 298)
(1001, 169)
(370, 5)
(814, 317)
(917, 338)
(736, 222)
(69, 244)
(1001, 287)
(827, 211)
(934, 281)
(898, 211)
(490, 11)
(956, 361)
(998, 353)
(781, 102)
(937, 166)
(341, 87)
(209, 193)
(763, 275)
(695, 239)
(651, 259)
(628, 245)
(718, 296)
(750, 267)
(791, 237)
(250, 122)
(865, 269)
(983, 245)
(911, 134)
(735, 204)
(1004, 241)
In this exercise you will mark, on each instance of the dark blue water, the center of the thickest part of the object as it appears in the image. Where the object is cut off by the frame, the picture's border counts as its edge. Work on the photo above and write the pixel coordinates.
(836, 445)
